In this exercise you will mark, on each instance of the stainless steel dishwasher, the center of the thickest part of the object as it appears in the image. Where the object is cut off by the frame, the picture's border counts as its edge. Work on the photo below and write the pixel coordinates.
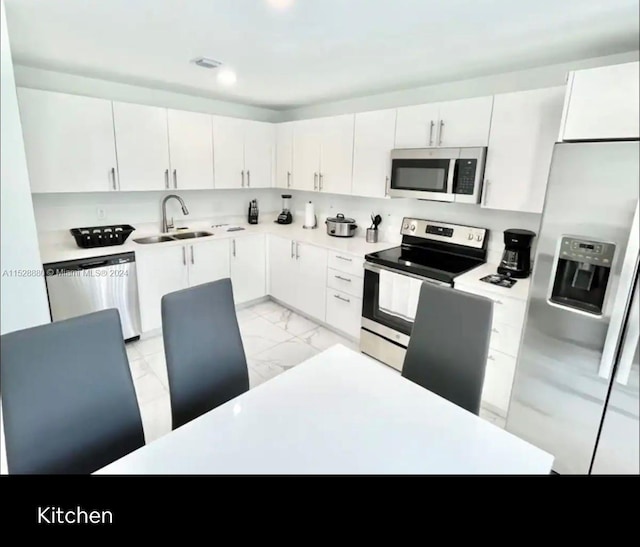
(77, 287)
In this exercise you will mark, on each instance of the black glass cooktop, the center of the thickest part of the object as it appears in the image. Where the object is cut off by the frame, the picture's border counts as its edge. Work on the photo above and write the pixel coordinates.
(439, 265)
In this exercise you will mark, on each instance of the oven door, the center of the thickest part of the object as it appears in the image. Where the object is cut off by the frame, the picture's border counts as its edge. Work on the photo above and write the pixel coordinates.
(423, 173)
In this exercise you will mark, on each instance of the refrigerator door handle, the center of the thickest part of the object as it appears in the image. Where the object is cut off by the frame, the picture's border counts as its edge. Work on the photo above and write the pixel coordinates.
(630, 343)
(622, 300)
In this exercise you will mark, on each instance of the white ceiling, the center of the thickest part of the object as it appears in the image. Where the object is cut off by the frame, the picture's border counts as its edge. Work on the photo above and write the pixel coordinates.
(316, 50)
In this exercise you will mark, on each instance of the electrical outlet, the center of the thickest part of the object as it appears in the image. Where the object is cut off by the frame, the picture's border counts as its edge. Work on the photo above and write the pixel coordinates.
(101, 213)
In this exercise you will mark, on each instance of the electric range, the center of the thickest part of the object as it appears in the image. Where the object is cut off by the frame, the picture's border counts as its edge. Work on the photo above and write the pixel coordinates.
(435, 252)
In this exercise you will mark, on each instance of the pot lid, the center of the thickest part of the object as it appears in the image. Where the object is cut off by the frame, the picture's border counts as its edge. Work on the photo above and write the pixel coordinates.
(340, 218)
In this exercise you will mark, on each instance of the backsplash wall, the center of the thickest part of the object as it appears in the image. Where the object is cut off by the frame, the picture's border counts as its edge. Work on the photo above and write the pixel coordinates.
(393, 211)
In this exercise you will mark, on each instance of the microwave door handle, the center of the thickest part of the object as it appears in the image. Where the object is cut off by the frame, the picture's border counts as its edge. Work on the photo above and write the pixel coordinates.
(630, 343)
(452, 170)
(621, 301)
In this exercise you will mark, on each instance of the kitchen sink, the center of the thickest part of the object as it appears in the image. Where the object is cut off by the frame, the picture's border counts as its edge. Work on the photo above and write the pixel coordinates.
(153, 239)
(191, 235)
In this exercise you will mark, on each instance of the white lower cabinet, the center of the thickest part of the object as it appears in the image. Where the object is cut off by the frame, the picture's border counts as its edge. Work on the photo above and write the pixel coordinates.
(344, 312)
(298, 275)
(498, 378)
(248, 268)
(345, 282)
(162, 270)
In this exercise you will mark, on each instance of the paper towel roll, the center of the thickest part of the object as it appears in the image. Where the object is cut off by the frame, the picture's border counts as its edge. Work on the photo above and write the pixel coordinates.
(309, 216)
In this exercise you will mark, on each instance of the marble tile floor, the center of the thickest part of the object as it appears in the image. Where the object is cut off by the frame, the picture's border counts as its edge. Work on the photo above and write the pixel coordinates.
(274, 338)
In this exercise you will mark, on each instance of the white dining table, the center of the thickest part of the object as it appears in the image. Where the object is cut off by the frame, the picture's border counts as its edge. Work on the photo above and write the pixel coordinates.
(339, 412)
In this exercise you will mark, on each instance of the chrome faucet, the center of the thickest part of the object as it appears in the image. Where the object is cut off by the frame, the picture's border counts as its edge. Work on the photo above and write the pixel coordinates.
(166, 226)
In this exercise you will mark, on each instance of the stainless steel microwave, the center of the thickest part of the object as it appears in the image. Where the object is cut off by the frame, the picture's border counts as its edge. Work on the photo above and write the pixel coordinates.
(439, 174)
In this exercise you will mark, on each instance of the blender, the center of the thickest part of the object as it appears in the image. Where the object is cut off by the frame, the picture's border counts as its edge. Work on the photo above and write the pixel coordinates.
(285, 217)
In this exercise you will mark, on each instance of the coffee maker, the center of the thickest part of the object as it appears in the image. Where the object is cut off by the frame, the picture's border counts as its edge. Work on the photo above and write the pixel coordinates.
(516, 258)
(285, 217)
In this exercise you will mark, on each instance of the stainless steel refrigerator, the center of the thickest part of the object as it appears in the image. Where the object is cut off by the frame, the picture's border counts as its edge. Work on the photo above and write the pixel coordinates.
(576, 391)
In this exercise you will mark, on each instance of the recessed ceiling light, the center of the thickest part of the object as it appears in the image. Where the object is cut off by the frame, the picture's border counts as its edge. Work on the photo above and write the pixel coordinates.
(226, 76)
(280, 4)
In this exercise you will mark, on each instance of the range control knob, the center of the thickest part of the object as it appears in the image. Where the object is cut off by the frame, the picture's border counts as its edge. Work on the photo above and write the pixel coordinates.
(470, 236)
(406, 226)
(478, 237)
(413, 227)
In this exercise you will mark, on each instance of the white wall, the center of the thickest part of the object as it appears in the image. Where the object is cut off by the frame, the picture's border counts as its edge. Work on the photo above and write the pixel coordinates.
(79, 85)
(546, 76)
(24, 299)
(63, 211)
(393, 210)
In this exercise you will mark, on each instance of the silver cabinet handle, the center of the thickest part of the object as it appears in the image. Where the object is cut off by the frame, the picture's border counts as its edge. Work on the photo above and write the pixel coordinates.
(321, 181)
(341, 298)
(386, 186)
(431, 133)
(184, 256)
(192, 259)
(175, 178)
(248, 179)
(233, 247)
(315, 181)
(440, 132)
(485, 191)
(242, 174)
(499, 302)
(490, 358)
(166, 178)
(495, 330)
(113, 177)
(297, 251)
(288, 179)
(293, 251)
(344, 258)
(342, 278)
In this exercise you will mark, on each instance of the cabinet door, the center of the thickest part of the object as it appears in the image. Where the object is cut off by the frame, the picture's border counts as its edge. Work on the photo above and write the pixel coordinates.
(465, 122)
(259, 154)
(228, 152)
(307, 136)
(416, 126)
(344, 312)
(311, 284)
(603, 103)
(160, 270)
(336, 154)
(524, 127)
(142, 144)
(190, 150)
(208, 261)
(282, 269)
(373, 142)
(69, 142)
(248, 268)
(284, 155)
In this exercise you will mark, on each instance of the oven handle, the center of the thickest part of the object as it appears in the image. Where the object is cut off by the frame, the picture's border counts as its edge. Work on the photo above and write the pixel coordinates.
(375, 268)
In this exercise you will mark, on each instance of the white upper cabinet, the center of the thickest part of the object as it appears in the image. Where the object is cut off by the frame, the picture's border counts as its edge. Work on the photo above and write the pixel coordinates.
(191, 150)
(416, 126)
(228, 152)
(307, 139)
(259, 154)
(336, 163)
(142, 144)
(373, 142)
(451, 124)
(523, 132)
(464, 123)
(602, 103)
(68, 141)
(284, 155)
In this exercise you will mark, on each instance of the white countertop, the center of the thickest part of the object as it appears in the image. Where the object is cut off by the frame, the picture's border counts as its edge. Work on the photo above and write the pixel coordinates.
(60, 245)
(471, 280)
(340, 412)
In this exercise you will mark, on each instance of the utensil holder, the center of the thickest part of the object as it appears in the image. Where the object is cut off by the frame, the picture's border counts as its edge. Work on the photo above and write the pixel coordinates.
(372, 235)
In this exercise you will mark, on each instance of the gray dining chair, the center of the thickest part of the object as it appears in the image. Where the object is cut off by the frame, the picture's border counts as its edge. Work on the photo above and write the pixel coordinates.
(205, 357)
(68, 400)
(449, 344)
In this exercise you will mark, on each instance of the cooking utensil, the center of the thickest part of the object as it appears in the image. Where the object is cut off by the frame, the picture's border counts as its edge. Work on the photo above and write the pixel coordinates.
(341, 226)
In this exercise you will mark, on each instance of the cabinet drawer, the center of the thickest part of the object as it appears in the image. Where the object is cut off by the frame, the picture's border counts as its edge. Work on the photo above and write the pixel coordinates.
(344, 312)
(505, 309)
(505, 338)
(346, 263)
(498, 379)
(345, 282)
